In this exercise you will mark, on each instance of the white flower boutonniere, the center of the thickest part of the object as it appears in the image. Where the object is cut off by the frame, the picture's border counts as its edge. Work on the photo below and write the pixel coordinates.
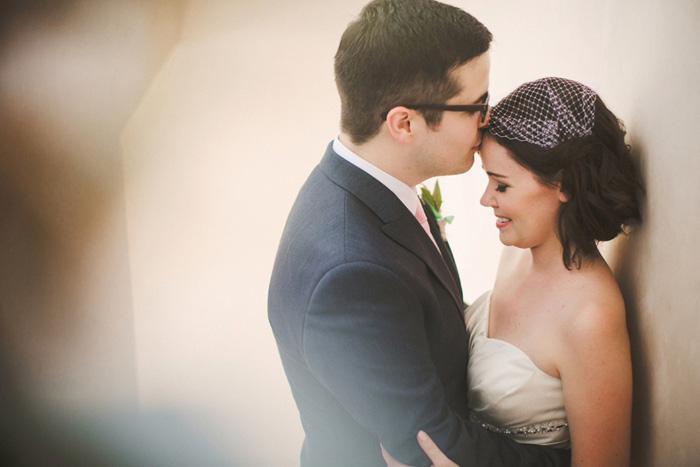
(434, 201)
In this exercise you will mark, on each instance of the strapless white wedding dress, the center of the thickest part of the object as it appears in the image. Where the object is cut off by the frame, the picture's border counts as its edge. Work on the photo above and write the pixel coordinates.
(508, 393)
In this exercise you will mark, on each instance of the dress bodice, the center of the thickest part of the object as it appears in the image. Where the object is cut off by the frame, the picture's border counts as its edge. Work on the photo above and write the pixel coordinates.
(508, 393)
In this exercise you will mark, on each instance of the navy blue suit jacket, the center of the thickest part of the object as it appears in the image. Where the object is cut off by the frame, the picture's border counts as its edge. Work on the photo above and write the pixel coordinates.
(368, 319)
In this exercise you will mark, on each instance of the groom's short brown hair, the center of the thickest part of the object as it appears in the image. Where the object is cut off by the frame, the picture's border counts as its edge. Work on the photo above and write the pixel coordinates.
(398, 52)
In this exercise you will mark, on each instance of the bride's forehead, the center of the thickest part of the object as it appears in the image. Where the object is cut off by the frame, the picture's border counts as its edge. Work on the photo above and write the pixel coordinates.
(496, 158)
(493, 153)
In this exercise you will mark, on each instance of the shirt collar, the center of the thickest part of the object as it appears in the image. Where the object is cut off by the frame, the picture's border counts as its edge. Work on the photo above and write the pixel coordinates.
(405, 193)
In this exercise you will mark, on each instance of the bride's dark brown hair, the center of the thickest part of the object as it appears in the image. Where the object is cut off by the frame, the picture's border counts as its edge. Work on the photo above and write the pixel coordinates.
(598, 175)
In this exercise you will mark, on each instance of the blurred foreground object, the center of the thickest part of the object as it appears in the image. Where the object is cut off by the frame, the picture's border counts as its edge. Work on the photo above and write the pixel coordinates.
(71, 75)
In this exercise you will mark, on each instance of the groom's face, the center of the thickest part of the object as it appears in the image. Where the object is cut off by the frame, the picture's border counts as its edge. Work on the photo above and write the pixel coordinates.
(450, 148)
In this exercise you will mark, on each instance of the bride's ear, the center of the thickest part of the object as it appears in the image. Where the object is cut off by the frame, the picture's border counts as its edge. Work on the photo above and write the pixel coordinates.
(563, 198)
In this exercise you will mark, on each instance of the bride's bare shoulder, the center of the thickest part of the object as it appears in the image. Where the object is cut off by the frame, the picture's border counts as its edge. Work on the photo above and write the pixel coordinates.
(597, 304)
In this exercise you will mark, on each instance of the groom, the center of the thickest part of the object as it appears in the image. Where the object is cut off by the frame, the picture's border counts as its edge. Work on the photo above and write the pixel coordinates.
(365, 302)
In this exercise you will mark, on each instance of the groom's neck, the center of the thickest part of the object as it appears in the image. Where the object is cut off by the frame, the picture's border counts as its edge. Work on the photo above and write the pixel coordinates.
(387, 155)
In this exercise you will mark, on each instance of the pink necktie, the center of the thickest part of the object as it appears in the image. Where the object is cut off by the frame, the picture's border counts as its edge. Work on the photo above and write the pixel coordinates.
(423, 220)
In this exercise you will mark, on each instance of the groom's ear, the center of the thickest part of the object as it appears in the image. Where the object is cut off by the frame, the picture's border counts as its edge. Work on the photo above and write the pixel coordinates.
(400, 121)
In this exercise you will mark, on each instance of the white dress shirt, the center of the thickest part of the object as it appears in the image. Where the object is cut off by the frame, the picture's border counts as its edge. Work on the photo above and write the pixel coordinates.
(405, 193)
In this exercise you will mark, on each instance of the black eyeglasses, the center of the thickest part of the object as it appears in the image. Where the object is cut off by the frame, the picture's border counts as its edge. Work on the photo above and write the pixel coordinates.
(481, 108)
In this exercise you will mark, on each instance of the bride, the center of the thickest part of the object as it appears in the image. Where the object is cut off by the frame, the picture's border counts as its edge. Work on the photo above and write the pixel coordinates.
(549, 356)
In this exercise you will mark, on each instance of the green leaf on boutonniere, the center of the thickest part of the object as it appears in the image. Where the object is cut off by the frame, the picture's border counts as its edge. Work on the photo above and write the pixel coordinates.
(434, 199)
(434, 202)
(437, 196)
(427, 197)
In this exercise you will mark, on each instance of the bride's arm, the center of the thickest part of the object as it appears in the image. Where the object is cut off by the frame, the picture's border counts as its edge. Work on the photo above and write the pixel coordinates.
(596, 373)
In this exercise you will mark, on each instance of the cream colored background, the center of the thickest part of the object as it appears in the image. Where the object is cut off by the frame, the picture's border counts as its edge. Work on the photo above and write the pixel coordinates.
(157, 147)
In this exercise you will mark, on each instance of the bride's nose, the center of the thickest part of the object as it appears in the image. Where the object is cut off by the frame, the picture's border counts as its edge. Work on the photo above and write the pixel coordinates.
(487, 199)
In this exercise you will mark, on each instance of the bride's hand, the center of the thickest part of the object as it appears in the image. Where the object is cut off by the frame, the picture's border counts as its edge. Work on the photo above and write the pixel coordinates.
(390, 461)
(438, 458)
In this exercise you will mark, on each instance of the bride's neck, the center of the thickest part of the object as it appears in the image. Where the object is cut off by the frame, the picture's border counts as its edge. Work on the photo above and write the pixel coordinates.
(548, 259)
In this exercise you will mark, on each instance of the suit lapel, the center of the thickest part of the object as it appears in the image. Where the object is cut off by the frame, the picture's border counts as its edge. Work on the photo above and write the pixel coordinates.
(444, 247)
(399, 223)
(408, 232)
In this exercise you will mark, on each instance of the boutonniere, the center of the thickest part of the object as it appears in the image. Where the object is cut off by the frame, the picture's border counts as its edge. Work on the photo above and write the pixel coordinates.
(434, 201)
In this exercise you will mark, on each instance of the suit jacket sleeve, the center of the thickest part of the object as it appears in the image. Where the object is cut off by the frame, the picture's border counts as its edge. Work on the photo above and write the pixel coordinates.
(364, 339)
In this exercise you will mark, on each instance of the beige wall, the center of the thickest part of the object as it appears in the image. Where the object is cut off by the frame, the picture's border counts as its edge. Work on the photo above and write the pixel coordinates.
(218, 112)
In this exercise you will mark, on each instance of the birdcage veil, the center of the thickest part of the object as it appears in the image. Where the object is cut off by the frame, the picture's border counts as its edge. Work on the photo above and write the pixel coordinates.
(545, 112)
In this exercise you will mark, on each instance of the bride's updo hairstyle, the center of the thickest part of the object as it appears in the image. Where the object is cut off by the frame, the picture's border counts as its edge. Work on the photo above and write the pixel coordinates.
(562, 132)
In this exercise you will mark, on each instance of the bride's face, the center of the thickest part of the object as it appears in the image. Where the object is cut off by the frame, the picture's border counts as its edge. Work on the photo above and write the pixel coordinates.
(525, 209)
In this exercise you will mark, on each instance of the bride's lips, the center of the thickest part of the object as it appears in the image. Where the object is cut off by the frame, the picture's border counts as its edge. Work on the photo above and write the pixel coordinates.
(502, 222)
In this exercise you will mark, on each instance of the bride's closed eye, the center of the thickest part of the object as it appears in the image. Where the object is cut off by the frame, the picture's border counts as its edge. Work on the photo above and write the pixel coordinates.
(501, 188)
